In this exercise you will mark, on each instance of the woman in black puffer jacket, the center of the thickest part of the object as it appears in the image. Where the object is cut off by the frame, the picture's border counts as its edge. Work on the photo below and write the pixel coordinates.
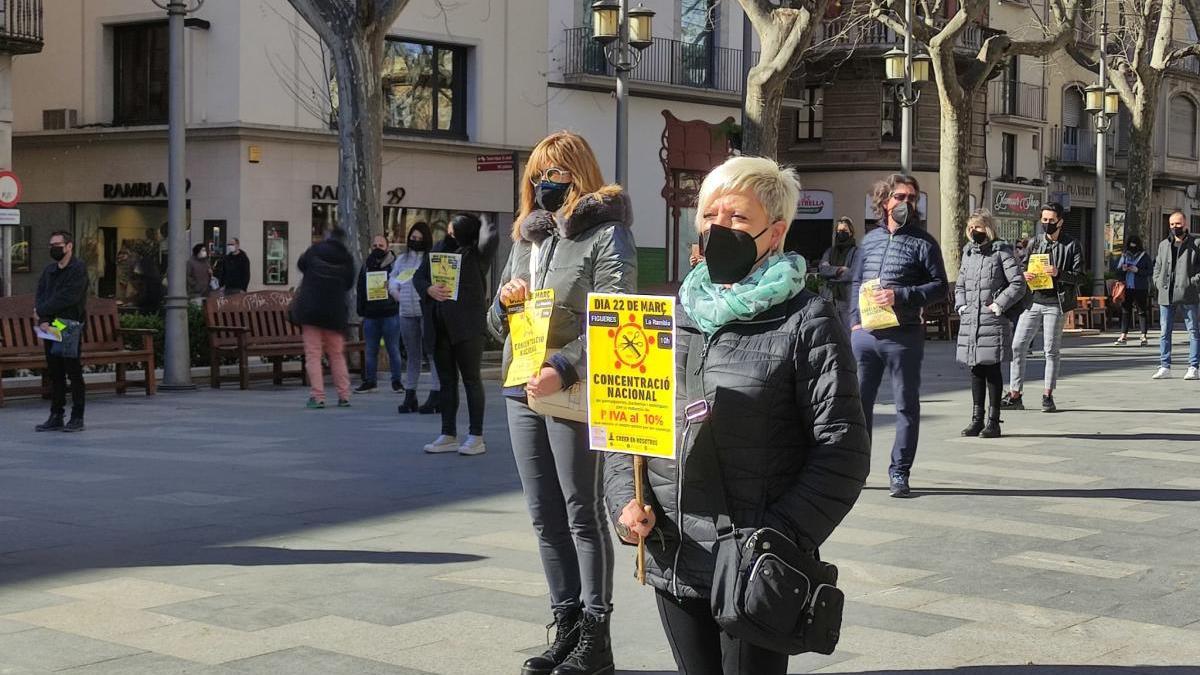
(990, 282)
(321, 309)
(785, 421)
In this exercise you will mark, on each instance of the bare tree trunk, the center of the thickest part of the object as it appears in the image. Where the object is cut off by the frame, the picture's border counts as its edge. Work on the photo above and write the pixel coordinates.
(955, 178)
(764, 102)
(1140, 176)
(357, 63)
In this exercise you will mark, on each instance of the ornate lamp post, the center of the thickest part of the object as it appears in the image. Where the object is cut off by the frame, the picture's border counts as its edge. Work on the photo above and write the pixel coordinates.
(1103, 103)
(906, 71)
(177, 366)
(624, 33)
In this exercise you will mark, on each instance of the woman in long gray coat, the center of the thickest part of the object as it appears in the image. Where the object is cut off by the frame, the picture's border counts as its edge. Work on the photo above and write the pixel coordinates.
(990, 282)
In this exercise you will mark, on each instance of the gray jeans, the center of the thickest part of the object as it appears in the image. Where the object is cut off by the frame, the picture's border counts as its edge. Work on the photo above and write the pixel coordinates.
(562, 479)
(1049, 319)
(410, 337)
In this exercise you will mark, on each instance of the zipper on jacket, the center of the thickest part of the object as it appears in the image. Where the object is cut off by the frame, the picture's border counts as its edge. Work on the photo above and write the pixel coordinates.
(682, 460)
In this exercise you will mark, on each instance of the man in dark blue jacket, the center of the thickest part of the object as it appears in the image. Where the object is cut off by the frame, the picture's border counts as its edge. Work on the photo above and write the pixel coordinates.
(908, 265)
(62, 296)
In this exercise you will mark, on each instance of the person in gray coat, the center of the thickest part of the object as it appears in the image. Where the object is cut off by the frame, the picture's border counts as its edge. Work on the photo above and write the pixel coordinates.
(990, 282)
(572, 235)
(835, 266)
(1177, 278)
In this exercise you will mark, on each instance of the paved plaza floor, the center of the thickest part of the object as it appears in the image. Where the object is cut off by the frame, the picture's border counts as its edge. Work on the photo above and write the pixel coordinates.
(237, 532)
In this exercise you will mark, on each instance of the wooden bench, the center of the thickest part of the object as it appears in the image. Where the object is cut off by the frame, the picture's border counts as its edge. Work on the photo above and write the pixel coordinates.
(103, 344)
(256, 324)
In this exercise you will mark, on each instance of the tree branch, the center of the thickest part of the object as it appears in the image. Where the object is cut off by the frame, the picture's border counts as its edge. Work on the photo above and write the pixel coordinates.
(1162, 36)
(759, 12)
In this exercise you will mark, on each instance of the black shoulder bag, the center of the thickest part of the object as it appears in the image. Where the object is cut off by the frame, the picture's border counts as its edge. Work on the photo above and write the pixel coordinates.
(766, 590)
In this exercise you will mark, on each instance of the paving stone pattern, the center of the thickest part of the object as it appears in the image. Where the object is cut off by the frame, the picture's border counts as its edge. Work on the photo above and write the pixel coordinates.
(237, 532)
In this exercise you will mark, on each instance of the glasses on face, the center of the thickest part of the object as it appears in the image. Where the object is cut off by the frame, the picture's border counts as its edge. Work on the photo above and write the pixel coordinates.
(910, 197)
(554, 175)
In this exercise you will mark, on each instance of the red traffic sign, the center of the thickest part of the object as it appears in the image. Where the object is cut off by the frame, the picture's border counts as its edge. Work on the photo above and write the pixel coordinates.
(493, 163)
(10, 189)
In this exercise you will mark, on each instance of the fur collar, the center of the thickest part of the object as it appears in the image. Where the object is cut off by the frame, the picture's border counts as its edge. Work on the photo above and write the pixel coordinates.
(609, 204)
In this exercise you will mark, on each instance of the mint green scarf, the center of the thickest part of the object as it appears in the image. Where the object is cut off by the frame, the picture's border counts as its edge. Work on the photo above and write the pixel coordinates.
(711, 305)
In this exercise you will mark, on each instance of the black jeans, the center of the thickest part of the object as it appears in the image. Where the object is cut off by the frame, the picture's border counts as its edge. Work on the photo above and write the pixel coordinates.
(701, 648)
(1135, 299)
(451, 360)
(986, 377)
(59, 369)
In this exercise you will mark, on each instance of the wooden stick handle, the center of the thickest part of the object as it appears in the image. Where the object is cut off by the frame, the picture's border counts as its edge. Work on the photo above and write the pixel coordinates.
(639, 468)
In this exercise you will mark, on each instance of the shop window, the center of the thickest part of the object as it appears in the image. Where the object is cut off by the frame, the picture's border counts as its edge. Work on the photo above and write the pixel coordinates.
(399, 220)
(20, 253)
(275, 253)
(324, 219)
(140, 74)
(424, 87)
(810, 117)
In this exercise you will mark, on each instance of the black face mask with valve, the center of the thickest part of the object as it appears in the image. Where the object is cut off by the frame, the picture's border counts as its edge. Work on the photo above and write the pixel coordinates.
(730, 253)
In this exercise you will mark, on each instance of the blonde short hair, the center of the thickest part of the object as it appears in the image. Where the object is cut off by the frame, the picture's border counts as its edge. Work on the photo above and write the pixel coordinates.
(776, 188)
(981, 217)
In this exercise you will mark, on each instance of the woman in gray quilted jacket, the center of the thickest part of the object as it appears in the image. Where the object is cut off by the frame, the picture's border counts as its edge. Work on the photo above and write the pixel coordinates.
(572, 235)
(990, 282)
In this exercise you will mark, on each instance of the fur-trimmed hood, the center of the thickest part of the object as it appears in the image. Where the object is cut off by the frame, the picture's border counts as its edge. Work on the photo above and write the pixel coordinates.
(606, 205)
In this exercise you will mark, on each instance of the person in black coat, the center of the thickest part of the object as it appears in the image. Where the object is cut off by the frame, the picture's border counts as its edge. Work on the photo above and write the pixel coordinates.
(234, 269)
(381, 317)
(460, 326)
(320, 308)
(62, 296)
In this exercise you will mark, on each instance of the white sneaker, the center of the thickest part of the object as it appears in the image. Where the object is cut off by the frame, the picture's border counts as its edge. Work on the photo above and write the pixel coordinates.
(443, 443)
(1162, 374)
(472, 446)
(1192, 374)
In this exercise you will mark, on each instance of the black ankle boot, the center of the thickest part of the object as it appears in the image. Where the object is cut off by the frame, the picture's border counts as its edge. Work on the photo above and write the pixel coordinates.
(992, 428)
(53, 424)
(410, 402)
(593, 655)
(976, 424)
(566, 636)
(433, 404)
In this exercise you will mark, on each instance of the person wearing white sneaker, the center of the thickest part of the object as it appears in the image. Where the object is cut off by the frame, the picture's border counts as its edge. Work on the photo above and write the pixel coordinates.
(1177, 277)
(474, 445)
(442, 444)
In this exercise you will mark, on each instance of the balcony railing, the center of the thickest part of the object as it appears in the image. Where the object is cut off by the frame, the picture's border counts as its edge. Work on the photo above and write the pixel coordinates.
(1017, 99)
(670, 62)
(855, 33)
(1070, 146)
(21, 26)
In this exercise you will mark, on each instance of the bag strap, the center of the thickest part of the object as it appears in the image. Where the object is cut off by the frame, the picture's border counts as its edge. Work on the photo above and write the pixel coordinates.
(705, 460)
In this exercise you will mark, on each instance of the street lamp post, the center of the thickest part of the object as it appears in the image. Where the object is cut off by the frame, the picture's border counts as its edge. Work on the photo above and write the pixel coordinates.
(906, 71)
(1103, 102)
(624, 33)
(177, 366)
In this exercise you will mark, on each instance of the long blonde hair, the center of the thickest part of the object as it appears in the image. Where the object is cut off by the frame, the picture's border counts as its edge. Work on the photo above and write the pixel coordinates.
(564, 150)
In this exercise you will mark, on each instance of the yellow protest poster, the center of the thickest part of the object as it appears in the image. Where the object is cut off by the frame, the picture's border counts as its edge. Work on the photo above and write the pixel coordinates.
(631, 374)
(1041, 281)
(443, 269)
(872, 315)
(528, 325)
(377, 286)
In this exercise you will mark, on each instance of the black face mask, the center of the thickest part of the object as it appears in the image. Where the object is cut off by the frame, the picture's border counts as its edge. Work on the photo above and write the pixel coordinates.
(903, 214)
(1050, 228)
(979, 237)
(841, 237)
(550, 195)
(417, 245)
(730, 253)
(58, 252)
(1178, 231)
(449, 244)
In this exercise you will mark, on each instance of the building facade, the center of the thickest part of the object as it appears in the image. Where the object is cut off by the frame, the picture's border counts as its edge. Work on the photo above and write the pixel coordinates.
(463, 91)
(20, 34)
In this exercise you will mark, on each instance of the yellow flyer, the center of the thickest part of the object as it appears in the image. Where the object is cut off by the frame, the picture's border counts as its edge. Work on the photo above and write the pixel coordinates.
(443, 269)
(631, 374)
(377, 286)
(528, 325)
(1041, 281)
(873, 316)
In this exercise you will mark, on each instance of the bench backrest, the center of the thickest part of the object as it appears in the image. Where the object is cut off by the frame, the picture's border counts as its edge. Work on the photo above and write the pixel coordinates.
(17, 326)
(265, 313)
